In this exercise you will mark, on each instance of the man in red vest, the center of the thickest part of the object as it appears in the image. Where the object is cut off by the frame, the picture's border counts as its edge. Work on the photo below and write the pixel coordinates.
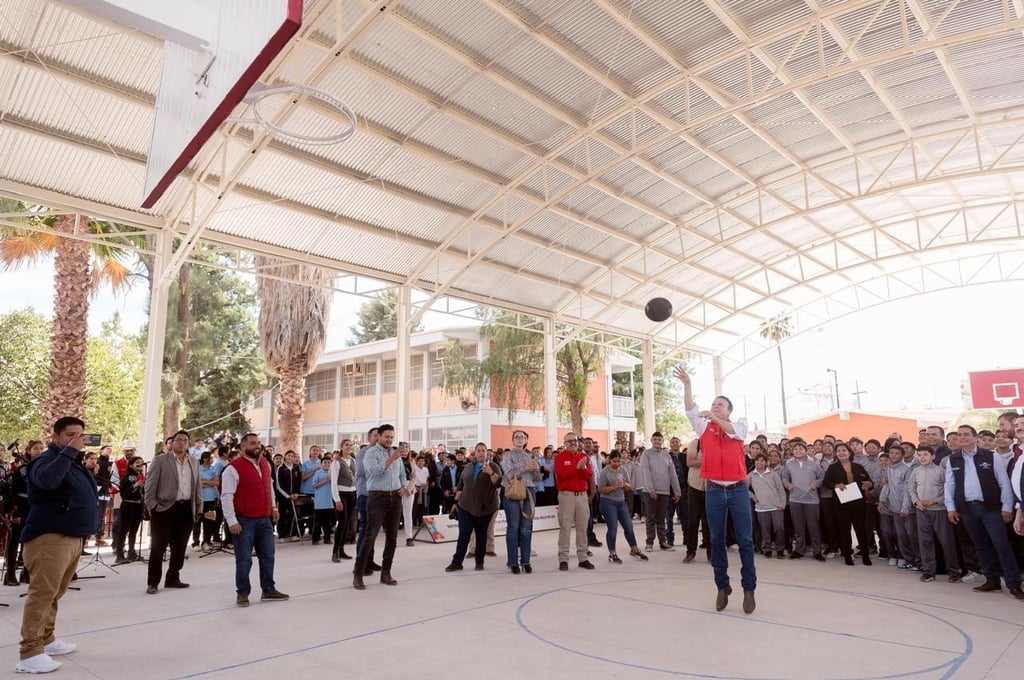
(723, 466)
(250, 511)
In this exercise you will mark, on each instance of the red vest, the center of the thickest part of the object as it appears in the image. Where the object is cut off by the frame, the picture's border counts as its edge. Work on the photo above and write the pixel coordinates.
(722, 457)
(253, 496)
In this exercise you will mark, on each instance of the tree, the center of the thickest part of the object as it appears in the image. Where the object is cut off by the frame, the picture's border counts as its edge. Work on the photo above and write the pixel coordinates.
(114, 371)
(777, 329)
(24, 357)
(79, 268)
(295, 301)
(378, 319)
(513, 369)
(666, 397)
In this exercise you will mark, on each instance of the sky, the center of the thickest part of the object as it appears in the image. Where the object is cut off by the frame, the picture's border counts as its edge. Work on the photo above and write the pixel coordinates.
(908, 354)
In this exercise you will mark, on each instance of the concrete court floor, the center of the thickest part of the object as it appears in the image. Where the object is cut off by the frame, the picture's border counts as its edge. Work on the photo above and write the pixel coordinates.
(637, 620)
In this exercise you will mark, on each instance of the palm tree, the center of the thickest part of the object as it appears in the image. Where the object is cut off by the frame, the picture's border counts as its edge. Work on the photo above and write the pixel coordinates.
(295, 302)
(777, 329)
(79, 269)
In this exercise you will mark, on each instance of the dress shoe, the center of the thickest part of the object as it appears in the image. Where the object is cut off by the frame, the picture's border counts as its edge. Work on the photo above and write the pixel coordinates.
(866, 560)
(819, 557)
(722, 601)
(690, 557)
(515, 569)
(479, 567)
(748, 602)
(563, 566)
(273, 596)
(594, 543)
(151, 590)
(491, 553)
(453, 567)
(344, 555)
(121, 560)
(242, 601)
(176, 584)
(385, 578)
(585, 564)
(375, 566)
(988, 587)
(368, 572)
(357, 582)
(1017, 593)
(527, 569)
(849, 560)
(796, 556)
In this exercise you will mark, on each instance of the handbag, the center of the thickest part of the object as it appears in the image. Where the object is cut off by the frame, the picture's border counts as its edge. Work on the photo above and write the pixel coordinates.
(516, 489)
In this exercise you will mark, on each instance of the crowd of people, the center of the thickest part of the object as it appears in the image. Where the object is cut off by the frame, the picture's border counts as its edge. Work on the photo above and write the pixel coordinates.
(948, 504)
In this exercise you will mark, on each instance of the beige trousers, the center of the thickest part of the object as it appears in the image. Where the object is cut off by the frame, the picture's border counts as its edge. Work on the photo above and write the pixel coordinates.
(51, 560)
(572, 509)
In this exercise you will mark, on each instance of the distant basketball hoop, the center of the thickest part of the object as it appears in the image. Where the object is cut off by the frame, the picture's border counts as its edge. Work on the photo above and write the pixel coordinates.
(1006, 393)
(997, 388)
(260, 92)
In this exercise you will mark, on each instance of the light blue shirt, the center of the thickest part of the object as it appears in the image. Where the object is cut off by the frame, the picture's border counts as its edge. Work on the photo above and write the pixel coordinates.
(322, 499)
(972, 485)
(360, 474)
(205, 475)
(307, 467)
(548, 465)
(378, 477)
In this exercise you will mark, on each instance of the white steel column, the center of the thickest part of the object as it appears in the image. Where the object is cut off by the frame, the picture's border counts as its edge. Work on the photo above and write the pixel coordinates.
(155, 337)
(716, 368)
(648, 375)
(609, 408)
(402, 363)
(550, 385)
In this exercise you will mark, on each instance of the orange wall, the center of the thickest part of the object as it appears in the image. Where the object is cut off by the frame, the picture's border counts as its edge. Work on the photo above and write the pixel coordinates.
(319, 412)
(501, 436)
(863, 425)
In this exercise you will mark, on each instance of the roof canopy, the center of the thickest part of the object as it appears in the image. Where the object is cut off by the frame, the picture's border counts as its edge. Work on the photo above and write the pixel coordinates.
(573, 159)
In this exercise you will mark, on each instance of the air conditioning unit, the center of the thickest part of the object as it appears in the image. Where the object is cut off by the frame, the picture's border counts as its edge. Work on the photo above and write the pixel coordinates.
(353, 369)
(467, 402)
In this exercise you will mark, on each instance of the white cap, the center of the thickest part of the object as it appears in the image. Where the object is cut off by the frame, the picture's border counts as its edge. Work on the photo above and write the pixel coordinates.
(128, 445)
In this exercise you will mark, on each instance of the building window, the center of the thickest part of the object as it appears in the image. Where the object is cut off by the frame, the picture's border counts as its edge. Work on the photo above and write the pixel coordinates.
(416, 372)
(324, 441)
(320, 386)
(359, 380)
(454, 437)
(436, 369)
(390, 377)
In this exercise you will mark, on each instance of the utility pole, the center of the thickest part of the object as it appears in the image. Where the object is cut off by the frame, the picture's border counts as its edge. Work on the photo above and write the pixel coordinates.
(835, 379)
(856, 384)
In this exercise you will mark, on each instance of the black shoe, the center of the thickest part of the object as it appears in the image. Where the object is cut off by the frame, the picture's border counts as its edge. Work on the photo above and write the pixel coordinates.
(527, 569)
(748, 602)
(453, 567)
(767, 553)
(563, 566)
(849, 560)
(151, 590)
(722, 600)
(585, 564)
(409, 543)
(988, 587)
(478, 567)
(866, 561)
(357, 582)
(515, 569)
(368, 572)
(796, 556)
(121, 560)
(594, 543)
(13, 582)
(820, 557)
(667, 547)
(376, 567)
(176, 584)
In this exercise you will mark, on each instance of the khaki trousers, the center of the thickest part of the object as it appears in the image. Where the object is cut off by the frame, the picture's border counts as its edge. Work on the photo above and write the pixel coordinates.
(572, 509)
(51, 560)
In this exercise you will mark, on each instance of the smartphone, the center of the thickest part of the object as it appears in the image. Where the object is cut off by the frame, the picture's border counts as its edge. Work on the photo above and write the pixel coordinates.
(92, 440)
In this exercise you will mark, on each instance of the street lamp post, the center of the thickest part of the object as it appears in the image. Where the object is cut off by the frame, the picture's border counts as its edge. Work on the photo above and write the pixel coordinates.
(835, 380)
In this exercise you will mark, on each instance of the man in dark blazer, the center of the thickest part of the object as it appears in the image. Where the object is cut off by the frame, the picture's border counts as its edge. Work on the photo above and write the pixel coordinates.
(174, 501)
(449, 479)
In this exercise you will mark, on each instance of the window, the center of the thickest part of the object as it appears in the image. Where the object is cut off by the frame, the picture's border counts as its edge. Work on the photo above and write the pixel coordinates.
(415, 438)
(436, 369)
(324, 441)
(454, 437)
(416, 372)
(359, 380)
(390, 377)
(320, 386)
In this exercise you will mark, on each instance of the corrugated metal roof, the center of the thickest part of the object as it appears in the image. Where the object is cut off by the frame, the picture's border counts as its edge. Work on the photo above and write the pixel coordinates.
(778, 137)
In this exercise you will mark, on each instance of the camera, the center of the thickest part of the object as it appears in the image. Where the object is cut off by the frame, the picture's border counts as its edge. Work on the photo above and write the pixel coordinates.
(92, 440)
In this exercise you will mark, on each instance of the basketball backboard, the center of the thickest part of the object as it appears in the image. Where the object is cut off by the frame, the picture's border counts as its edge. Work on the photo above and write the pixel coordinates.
(214, 52)
(1001, 388)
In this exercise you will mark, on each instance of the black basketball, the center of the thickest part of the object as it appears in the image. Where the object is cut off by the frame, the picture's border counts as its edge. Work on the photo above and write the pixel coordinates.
(658, 309)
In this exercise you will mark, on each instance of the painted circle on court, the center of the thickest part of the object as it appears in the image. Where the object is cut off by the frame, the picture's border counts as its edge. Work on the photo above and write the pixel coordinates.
(797, 632)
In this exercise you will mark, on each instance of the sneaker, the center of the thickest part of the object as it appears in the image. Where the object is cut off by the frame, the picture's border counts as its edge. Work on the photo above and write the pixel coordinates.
(954, 578)
(649, 547)
(409, 543)
(902, 565)
(831, 555)
(59, 648)
(892, 561)
(819, 557)
(242, 600)
(273, 595)
(915, 568)
(971, 577)
(585, 564)
(927, 578)
(40, 663)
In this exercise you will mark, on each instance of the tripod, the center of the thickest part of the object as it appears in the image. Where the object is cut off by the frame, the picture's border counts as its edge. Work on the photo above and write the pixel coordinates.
(96, 559)
(221, 547)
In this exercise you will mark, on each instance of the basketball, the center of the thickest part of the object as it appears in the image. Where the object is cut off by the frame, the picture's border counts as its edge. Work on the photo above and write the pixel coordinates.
(658, 309)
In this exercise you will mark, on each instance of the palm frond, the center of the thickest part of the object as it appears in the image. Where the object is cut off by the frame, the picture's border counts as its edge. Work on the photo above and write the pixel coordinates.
(18, 248)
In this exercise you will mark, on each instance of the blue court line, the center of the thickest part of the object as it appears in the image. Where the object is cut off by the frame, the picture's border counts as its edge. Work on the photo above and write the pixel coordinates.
(768, 623)
(952, 666)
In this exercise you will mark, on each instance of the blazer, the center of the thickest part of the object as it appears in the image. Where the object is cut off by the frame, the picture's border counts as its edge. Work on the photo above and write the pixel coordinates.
(162, 483)
(835, 475)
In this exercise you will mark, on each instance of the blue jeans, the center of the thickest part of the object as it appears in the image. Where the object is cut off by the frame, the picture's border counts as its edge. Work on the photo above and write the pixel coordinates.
(519, 530)
(988, 533)
(258, 534)
(615, 513)
(734, 502)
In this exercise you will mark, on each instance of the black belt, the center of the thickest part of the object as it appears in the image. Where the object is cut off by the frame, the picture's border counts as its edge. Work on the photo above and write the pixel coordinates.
(975, 502)
(725, 487)
(182, 502)
(575, 493)
(396, 492)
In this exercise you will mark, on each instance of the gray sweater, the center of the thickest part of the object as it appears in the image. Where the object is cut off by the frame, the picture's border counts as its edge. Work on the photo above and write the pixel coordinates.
(801, 474)
(658, 472)
(895, 496)
(928, 482)
(767, 490)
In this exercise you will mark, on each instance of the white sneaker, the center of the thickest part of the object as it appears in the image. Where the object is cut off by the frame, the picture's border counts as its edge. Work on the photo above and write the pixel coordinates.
(40, 663)
(892, 561)
(970, 577)
(59, 648)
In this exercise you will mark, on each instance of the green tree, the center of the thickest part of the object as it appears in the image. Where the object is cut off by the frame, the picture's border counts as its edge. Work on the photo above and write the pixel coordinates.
(777, 329)
(114, 370)
(513, 369)
(377, 319)
(667, 401)
(24, 358)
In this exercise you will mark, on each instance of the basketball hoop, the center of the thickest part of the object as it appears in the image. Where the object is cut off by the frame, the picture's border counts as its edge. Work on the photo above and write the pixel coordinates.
(1006, 393)
(259, 92)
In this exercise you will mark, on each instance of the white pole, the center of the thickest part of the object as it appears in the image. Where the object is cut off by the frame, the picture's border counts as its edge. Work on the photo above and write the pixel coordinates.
(648, 381)
(402, 363)
(155, 347)
(550, 385)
